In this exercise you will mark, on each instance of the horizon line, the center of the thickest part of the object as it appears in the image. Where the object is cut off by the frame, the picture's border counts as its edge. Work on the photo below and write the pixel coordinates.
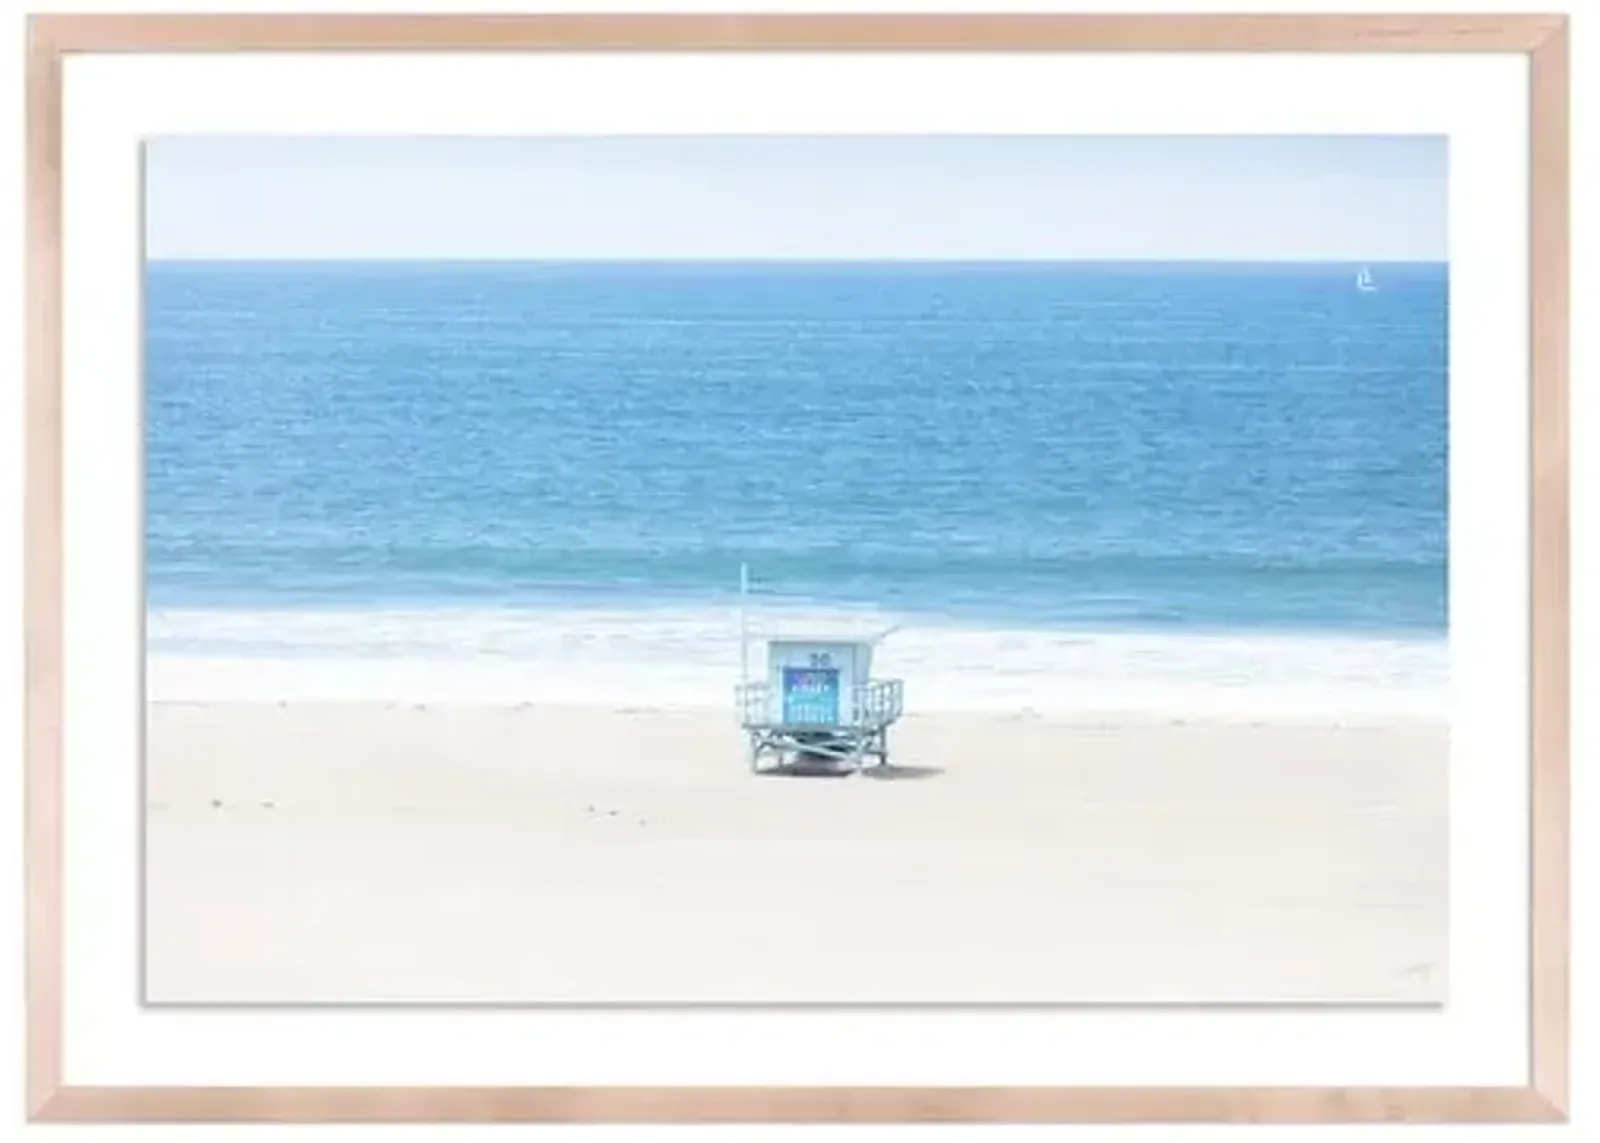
(779, 261)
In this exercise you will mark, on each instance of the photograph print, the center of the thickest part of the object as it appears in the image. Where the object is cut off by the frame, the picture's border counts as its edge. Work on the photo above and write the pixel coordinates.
(796, 570)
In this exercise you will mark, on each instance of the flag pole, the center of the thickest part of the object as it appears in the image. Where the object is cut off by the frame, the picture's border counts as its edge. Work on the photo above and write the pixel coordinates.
(744, 623)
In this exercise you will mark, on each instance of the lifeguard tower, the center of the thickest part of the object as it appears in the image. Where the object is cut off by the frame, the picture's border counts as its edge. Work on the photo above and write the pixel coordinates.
(819, 708)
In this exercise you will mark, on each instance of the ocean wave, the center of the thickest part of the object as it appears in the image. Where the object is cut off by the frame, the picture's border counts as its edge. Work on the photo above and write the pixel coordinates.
(691, 657)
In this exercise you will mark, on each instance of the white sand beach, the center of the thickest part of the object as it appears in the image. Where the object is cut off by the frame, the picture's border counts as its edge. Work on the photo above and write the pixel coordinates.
(325, 852)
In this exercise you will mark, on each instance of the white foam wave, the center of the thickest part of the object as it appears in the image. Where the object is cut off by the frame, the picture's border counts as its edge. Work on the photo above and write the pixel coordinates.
(691, 658)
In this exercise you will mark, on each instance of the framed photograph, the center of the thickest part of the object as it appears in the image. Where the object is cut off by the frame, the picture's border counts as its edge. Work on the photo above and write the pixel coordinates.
(947, 562)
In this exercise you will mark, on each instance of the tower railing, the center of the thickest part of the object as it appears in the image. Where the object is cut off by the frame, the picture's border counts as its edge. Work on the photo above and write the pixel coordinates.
(875, 704)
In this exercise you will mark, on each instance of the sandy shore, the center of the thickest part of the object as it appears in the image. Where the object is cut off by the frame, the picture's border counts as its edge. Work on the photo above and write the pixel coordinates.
(323, 853)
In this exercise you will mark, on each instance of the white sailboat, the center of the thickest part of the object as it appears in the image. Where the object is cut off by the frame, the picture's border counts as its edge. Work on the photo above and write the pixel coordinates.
(1364, 281)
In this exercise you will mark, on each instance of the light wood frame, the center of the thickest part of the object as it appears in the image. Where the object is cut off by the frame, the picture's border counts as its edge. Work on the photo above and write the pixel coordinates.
(1543, 38)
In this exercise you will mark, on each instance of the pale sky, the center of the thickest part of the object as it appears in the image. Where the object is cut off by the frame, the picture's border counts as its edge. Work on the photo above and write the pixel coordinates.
(1217, 198)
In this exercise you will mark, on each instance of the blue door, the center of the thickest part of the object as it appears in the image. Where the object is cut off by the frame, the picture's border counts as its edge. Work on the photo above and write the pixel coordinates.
(811, 696)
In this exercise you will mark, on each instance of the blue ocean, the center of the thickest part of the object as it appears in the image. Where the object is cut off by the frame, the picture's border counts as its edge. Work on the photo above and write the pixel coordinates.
(537, 462)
